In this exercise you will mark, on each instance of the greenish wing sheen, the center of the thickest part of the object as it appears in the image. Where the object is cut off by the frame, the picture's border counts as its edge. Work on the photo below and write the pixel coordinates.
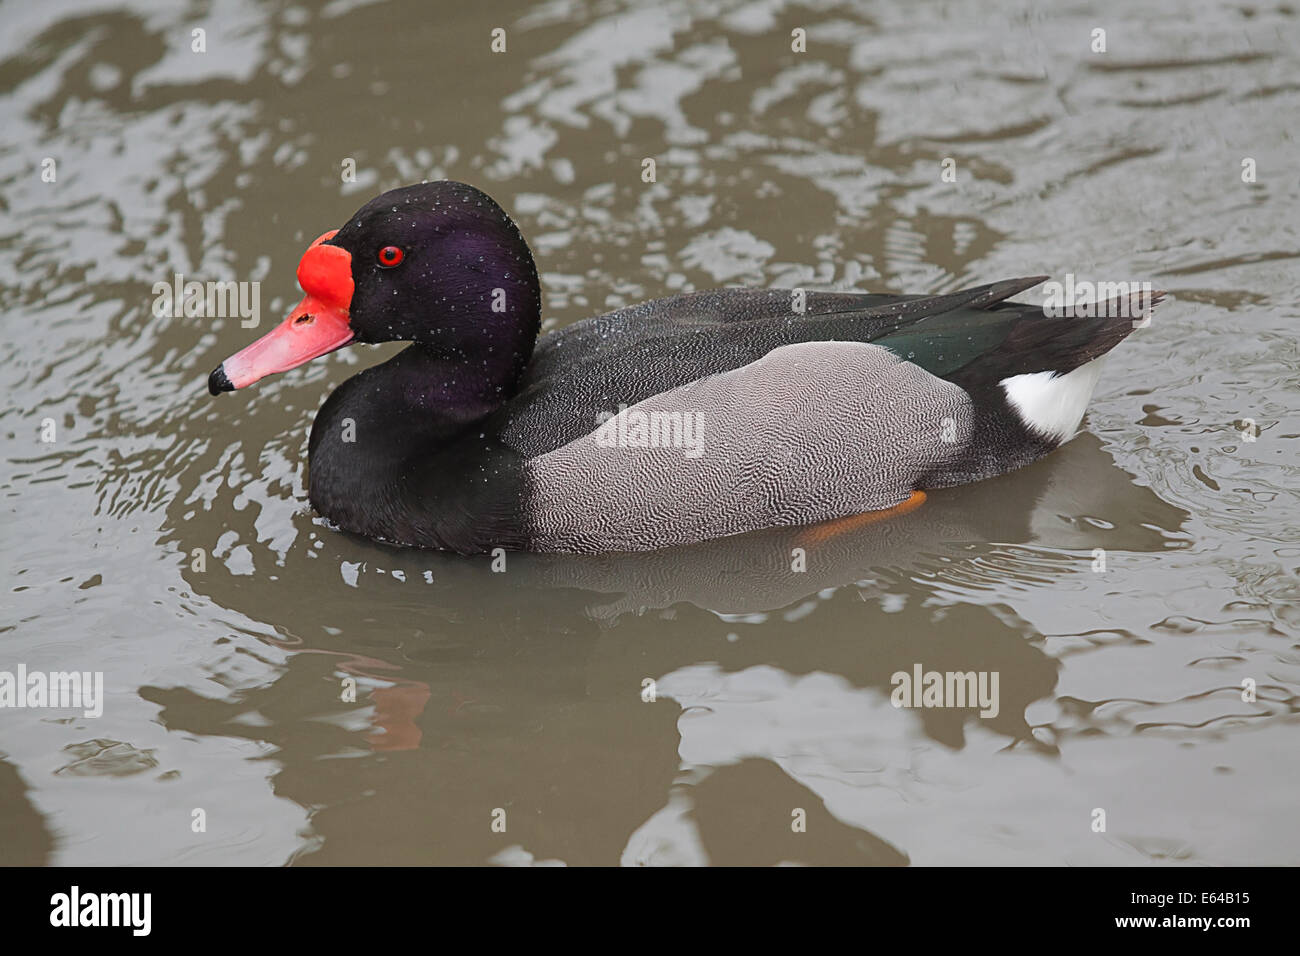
(942, 344)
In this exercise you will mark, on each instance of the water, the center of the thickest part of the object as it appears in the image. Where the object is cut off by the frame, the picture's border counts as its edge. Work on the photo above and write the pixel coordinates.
(522, 691)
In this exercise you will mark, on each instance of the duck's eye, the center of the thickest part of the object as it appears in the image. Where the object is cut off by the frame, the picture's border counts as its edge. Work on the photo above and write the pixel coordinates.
(390, 256)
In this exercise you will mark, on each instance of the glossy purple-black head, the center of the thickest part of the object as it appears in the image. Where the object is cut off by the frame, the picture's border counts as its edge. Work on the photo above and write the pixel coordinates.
(438, 263)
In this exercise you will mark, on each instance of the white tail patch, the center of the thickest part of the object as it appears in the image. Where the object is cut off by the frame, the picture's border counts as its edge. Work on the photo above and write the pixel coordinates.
(1052, 404)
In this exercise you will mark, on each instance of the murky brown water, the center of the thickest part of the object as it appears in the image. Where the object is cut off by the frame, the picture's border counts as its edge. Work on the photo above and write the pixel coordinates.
(522, 691)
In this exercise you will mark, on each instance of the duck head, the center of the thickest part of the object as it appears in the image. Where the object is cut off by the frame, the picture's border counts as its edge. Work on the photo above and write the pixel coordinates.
(439, 264)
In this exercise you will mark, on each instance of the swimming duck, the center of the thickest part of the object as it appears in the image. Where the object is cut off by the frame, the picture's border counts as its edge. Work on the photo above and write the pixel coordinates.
(675, 421)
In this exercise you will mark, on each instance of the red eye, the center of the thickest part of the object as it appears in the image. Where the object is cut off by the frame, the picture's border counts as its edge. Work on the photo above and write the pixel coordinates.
(390, 256)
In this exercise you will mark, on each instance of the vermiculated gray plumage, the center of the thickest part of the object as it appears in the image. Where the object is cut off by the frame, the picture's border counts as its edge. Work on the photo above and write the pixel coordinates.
(807, 433)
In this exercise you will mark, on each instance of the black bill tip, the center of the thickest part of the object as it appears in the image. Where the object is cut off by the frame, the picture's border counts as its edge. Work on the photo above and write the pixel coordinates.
(218, 382)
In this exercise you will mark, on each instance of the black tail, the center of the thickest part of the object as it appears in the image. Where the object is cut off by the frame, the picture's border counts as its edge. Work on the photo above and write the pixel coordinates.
(1043, 342)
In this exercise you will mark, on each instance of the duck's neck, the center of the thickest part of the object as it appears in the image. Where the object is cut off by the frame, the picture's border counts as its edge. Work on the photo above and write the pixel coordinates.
(394, 454)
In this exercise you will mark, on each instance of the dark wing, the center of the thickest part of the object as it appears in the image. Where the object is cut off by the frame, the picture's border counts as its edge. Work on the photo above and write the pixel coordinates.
(624, 357)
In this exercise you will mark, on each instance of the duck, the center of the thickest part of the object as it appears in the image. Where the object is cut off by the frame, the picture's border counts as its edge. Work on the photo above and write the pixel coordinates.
(680, 420)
